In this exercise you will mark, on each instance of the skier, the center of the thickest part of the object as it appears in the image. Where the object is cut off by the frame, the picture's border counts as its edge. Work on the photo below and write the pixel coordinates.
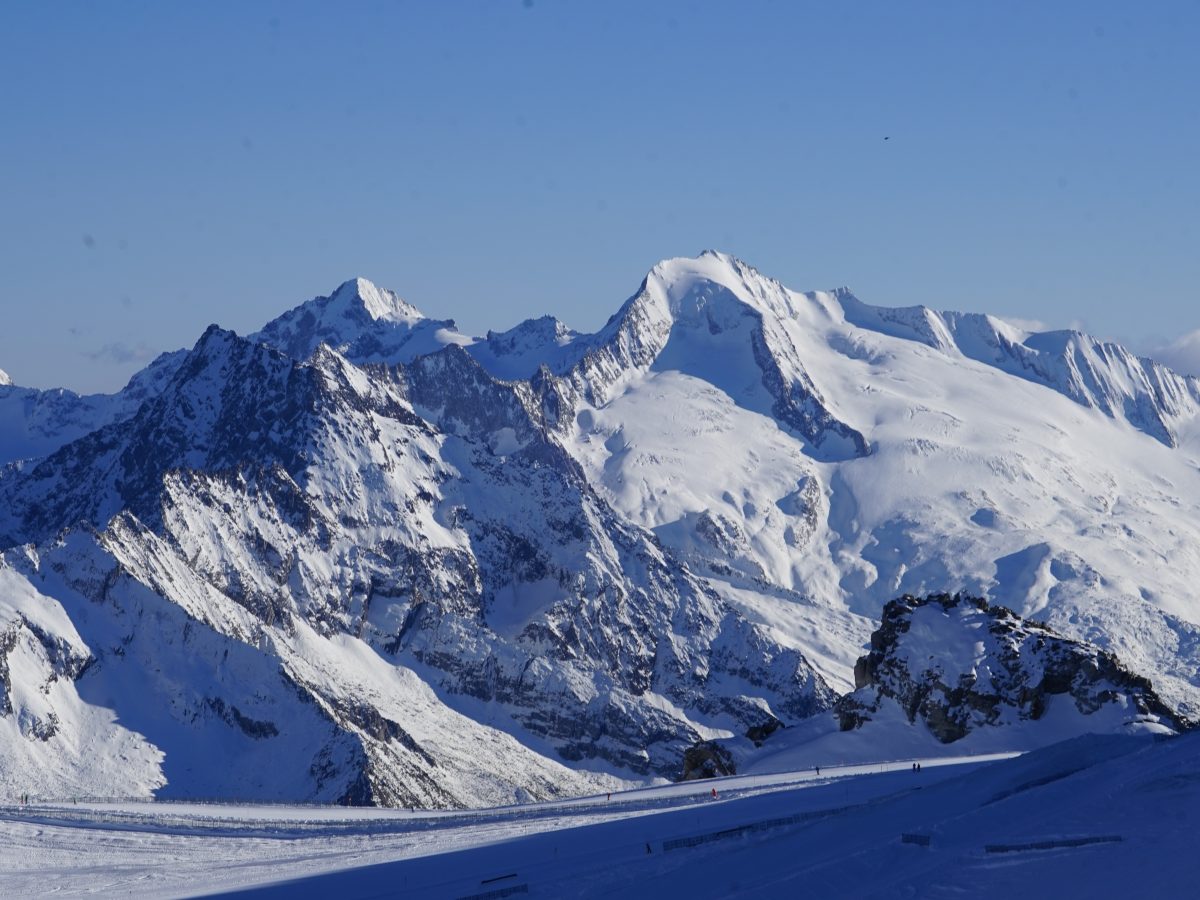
(818, 768)
(714, 793)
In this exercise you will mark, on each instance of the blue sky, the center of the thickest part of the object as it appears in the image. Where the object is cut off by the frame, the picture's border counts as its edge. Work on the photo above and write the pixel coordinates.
(164, 166)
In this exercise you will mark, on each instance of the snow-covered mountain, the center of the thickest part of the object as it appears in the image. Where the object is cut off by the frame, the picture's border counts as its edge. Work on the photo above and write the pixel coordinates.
(279, 501)
(1093, 373)
(361, 321)
(34, 423)
(413, 567)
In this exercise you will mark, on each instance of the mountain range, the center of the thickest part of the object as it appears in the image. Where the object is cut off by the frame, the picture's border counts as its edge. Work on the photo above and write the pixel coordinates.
(361, 557)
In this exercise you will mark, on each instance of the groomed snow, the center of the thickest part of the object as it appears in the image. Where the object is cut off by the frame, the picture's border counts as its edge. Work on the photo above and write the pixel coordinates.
(1101, 816)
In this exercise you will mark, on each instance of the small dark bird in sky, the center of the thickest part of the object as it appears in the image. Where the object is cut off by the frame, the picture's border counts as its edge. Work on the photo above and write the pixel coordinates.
(886, 138)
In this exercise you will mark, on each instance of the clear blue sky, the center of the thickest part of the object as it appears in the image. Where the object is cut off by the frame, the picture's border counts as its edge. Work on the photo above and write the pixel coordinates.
(164, 166)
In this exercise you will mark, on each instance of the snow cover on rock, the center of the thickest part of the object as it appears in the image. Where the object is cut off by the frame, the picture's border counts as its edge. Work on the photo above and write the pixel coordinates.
(594, 550)
(308, 511)
(975, 481)
(34, 423)
(363, 322)
(518, 353)
(957, 665)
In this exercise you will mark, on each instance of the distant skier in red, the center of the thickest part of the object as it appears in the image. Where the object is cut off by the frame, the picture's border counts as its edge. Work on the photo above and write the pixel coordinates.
(714, 793)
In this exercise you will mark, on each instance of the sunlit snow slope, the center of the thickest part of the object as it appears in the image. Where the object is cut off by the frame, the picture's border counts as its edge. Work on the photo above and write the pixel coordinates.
(375, 560)
(1069, 506)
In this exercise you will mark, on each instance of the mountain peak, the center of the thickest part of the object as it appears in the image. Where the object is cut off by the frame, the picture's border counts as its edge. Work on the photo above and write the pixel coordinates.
(363, 322)
(359, 294)
(712, 265)
(5, 381)
(684, 285)
(545, 330)
(215, 339)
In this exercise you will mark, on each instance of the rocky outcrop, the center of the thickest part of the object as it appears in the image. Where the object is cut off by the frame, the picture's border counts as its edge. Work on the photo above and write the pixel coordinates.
(957, 664)
(707, 759)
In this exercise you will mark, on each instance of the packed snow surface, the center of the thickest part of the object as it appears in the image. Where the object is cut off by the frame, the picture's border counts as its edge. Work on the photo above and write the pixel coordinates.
(1105, 816)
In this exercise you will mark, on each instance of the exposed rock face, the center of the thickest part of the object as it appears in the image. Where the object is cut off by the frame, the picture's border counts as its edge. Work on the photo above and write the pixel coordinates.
(707, 759)
(958, 664)
(760, 733)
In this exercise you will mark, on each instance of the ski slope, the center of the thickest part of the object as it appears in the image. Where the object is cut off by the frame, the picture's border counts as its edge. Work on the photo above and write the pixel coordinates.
(1110, 815)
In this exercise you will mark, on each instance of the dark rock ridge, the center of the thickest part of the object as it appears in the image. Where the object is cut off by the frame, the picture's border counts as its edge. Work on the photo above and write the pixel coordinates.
(957, 664)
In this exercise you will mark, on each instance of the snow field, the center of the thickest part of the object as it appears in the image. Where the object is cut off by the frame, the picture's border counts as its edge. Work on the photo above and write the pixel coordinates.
(982, 827)
(173, 849)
